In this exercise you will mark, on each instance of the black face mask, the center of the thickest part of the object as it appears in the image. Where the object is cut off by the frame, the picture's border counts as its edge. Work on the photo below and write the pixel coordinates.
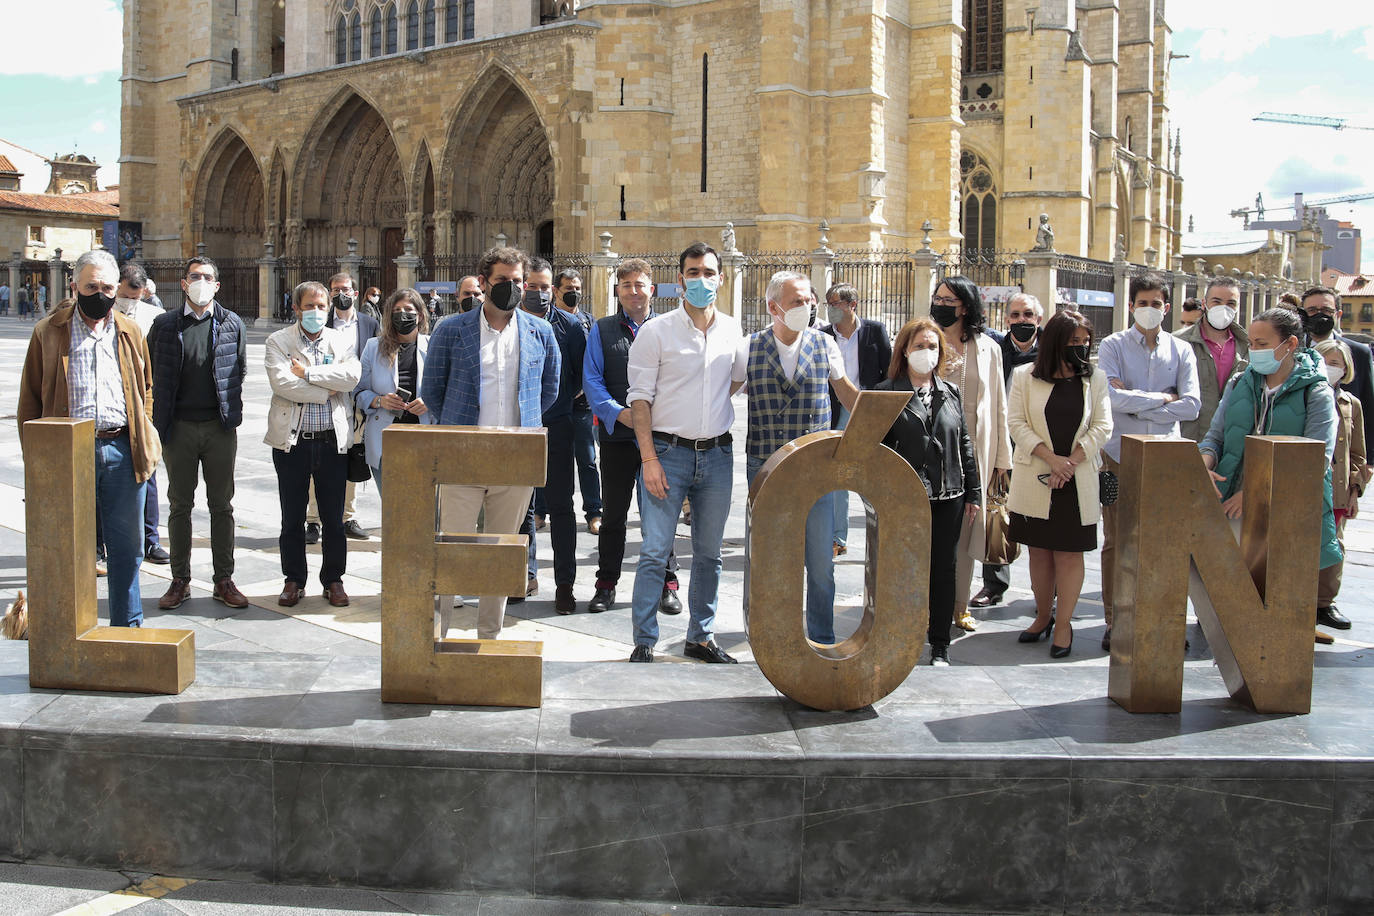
(1318, 325)
(404, 322)
(943, 314)
(537, 301)
(342, 302)
(503, 296)
(1022, 331)
(570, 299)
(95, 306)
(1077, 358)
(468, 303)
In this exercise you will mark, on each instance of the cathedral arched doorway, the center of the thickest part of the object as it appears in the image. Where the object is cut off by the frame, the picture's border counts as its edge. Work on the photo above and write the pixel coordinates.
(497, 172)
(228, 210)
(349, 185)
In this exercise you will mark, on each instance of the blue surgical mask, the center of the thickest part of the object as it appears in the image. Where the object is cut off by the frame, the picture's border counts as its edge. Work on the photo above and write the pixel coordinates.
(313, 320)
(1264, 362)
(701, 291)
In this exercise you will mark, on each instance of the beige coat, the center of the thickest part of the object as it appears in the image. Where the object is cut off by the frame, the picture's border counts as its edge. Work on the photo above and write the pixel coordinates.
(985, 405)
(333, 382)
(1026, 416)
(1349, 469)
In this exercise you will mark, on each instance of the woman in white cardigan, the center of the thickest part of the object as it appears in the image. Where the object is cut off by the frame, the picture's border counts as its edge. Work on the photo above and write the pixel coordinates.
(976, 368)
(1060, 416)
(393, 361)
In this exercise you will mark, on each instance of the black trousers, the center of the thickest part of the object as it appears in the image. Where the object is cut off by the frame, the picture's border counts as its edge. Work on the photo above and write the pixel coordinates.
(619, 479)
(996, 578)
(558, 496)
(946, 521)
(317, 461)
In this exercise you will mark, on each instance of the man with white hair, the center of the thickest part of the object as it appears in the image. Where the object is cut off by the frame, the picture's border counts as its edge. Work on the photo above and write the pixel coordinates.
(88, 361)
(1020, 345)
(789, 369)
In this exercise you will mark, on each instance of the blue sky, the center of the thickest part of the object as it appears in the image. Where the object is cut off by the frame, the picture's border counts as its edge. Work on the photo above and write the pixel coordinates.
(60, 91)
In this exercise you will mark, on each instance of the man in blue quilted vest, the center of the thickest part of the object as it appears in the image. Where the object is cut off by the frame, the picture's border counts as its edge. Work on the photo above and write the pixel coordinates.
(199, 358)
(789, 369)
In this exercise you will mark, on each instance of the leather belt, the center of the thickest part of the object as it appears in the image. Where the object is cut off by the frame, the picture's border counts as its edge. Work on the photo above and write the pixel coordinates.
(112, 433)
(318, 434)
(696, 445)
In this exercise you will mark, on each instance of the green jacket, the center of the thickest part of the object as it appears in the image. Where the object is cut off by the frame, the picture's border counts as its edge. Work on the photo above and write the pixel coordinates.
(1303, 398)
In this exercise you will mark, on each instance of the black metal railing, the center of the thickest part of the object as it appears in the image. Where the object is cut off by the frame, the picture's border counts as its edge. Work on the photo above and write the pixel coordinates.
(885, 283)
(754, 276)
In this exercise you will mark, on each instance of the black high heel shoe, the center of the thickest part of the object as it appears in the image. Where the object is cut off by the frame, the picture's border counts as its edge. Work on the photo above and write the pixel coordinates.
(1029, 635)
(1062, 651)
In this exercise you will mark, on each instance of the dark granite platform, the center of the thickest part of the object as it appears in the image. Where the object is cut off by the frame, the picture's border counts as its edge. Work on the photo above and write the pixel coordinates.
(989, 789)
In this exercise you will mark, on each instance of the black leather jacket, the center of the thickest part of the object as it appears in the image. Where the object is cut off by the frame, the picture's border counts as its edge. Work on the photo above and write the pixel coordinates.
(940, 449)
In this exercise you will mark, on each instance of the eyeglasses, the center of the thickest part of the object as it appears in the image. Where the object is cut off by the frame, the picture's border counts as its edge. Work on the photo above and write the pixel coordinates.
(197, 276)
(942, 300)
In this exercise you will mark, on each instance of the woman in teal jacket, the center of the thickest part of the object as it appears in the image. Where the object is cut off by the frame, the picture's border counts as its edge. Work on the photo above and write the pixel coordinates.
(1284, 393)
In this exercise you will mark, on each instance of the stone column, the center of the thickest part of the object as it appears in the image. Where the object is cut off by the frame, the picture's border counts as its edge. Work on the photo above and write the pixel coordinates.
(1179, 292)
(1042, 278)
(407, 265)
(352, 264)
(1262, 291)
(269, 278)
(601, 279)
(16, 264)
(1251, 297)
(926, 262)
(1121, 287)
(57, 281)
(822, 263)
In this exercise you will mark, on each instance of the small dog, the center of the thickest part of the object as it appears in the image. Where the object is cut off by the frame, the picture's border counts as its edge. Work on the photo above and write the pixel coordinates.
(15, 623)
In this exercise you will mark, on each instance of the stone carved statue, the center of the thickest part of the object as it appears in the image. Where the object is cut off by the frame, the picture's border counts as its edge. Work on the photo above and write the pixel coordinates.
(727, 237)
(1044, 236)
(1121, 247)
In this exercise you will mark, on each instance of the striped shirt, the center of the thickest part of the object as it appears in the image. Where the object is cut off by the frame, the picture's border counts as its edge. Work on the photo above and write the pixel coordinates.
(95, 390)
(316, 417)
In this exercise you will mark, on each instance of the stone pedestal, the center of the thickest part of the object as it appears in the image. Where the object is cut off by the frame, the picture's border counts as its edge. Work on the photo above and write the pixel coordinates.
(1121, 286)
(57, 285)
(408, 265)
(352, 264)
(601, 279)
(269, 278)
(730, 298)
(15, 265)
(1042, 278)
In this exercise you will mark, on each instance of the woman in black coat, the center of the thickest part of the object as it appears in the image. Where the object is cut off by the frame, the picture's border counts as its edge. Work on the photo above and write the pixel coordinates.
(931, 435)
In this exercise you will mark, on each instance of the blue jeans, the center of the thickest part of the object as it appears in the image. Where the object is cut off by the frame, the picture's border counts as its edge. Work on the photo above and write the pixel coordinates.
(841, 497)
(119, 502)
(584, 453)
(820, 563)
(706, 478)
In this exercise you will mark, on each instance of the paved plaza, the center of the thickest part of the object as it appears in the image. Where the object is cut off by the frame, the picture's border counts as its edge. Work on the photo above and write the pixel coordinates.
(304, 684)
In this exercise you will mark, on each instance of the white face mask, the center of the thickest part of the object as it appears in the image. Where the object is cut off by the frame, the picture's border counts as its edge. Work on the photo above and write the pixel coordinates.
(797, 319)
(200, 292)
(125, 304)
(1221, 316)
(923, 361)
(1149, 317)
(1334, 374)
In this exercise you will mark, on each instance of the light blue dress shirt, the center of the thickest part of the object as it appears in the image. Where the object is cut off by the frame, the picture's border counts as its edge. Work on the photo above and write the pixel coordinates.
(1140, 407)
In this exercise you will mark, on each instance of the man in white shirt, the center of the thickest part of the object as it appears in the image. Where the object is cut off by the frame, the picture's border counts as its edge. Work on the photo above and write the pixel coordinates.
(790, 369)
(679, 372)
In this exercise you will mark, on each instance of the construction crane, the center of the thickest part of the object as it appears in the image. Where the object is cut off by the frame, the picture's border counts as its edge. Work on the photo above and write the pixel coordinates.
(1309, 121)
(1259, 209)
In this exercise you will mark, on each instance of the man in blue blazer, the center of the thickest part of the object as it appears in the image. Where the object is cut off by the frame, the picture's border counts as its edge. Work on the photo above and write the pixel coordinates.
(493, 366)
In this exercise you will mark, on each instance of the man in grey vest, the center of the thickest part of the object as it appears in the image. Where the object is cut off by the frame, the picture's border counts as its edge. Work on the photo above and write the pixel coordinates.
(789, 369)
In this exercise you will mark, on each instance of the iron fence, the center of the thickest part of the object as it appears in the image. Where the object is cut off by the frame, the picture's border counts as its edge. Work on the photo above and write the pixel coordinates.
(297, 269)
(754, 277)
(885, 283)
(369, 274)
(1075, 273)
(996, 271)
(167, 274)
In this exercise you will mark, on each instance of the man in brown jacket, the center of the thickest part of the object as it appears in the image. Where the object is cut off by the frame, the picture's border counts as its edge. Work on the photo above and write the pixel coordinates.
(89, 362)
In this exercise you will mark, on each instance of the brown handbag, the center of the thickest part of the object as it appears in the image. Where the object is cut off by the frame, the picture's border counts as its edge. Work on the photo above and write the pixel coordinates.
(1000, 549)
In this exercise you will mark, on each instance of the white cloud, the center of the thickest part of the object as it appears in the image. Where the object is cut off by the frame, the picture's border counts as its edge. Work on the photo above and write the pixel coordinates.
(98, 126)
(1319, 17)
(1366, 50)
(63, 38)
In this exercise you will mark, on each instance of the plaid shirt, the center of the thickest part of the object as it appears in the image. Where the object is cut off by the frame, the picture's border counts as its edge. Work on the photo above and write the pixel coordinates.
(95, 390)
(316, 417)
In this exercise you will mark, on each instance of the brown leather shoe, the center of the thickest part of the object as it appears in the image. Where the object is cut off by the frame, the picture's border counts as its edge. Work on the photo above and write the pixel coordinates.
(290, 594)
(334, 591)
(226, 592)
(177, 592)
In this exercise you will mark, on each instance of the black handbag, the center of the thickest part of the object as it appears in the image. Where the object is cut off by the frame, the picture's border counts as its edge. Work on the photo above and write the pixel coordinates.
(1108, 487)
(358, 471)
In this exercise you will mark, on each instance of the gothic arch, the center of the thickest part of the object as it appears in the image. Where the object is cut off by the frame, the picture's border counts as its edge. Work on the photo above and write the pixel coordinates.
(227, 210)
(497, 171)
(349, 182)
(978, 203)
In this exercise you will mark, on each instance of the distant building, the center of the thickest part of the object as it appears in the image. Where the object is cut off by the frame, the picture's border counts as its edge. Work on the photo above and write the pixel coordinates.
(1357, 301)
(1288, 254)
(1342, 238)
